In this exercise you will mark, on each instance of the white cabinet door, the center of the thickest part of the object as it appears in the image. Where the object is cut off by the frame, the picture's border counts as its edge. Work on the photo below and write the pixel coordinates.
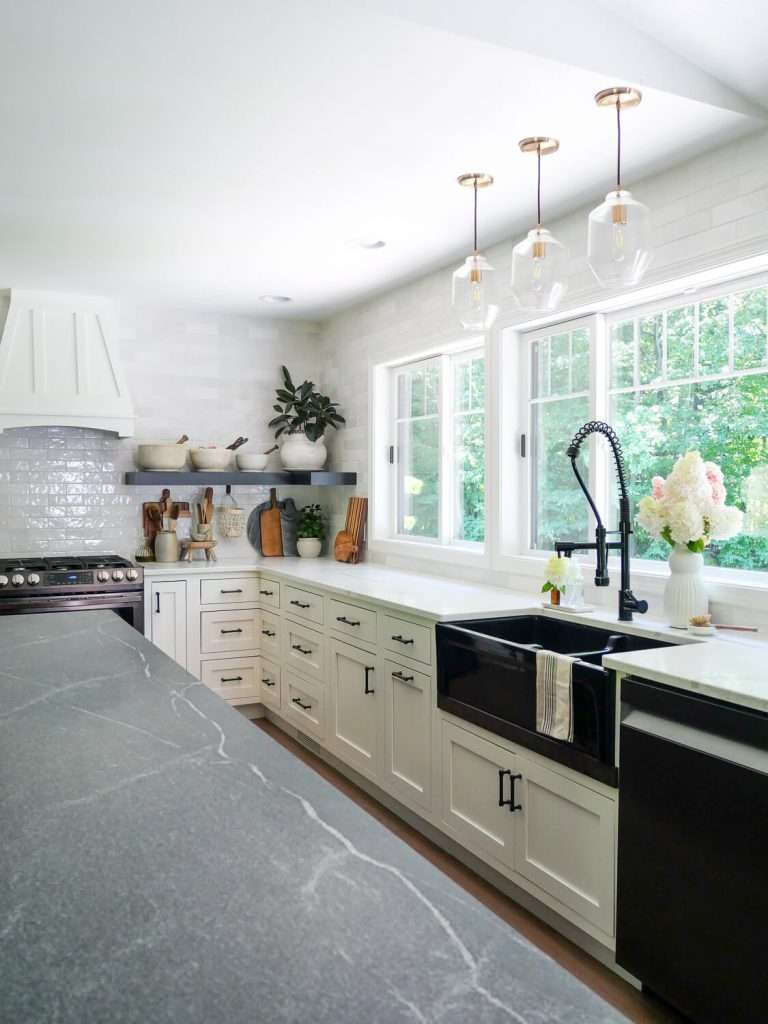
(168, 618)
(406, 768)
(565, 842)
(355, 730)
(477, 776)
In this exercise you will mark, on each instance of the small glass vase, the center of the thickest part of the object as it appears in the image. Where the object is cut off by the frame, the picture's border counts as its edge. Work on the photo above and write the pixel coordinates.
(554, 597)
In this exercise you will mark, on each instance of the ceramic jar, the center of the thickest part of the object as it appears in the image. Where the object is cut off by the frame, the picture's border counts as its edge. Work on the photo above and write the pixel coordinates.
(685, 593)
(166, 546)
(309, 547)
(298, 452)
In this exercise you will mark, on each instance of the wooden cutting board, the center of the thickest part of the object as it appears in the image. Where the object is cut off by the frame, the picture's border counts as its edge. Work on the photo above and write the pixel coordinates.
(271, 530)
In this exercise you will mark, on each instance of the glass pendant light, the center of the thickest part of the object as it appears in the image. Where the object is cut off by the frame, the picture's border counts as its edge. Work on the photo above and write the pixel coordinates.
(619, 237)
(540, 261)
(473, 281)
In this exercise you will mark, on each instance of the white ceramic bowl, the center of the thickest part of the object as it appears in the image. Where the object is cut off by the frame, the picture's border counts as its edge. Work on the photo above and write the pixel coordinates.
(162, 456)
(252, 461)
(210, 458)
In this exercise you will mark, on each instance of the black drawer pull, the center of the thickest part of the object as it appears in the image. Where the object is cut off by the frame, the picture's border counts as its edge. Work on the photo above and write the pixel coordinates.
(402, 678)
(267, 593)
(267, 681)
(304, 707)
(238, 630)
(231, 679)
(301, 604)
(348, 622)
(402, 639)
(230, 591)
(300, 649)
(368, 670)
(268, 632)
(157, 601)
(511, 802)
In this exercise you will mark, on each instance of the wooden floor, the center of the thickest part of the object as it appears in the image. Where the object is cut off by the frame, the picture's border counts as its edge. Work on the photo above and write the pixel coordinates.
(635, 1005)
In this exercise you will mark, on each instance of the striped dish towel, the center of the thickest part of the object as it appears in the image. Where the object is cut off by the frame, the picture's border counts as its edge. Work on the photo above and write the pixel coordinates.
(554, 695)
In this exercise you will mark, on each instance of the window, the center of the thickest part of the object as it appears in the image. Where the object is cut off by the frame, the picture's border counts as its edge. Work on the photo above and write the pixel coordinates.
(675, 376)
(438, 449)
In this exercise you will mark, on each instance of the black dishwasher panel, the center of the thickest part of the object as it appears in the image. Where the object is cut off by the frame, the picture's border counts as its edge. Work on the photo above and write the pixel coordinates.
(692, 907)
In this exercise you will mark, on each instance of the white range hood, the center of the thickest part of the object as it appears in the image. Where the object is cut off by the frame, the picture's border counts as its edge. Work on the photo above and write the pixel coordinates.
(59, 364)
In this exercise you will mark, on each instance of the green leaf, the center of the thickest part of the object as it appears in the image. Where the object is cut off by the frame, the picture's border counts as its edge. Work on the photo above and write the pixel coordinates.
(287, 378)
(547, 587)
(696, 546)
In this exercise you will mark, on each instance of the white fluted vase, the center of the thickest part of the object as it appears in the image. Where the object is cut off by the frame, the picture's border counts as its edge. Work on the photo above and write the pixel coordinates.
(686, 592)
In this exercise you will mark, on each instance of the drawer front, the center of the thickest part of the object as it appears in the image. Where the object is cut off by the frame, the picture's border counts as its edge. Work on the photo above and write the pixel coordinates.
(271, 684)
(270, 630)
(225, 631)
(352, 620)
(232, 678)
(304, 648)
(269, 593)
(408, 639)
(304, 605)
(240, 590)
(304, 704)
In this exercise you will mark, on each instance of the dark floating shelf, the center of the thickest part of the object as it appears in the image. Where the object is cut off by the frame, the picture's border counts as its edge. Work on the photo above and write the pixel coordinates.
(284, 478)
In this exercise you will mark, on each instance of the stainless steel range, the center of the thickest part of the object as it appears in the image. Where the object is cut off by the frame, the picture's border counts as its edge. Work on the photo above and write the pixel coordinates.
(69, 583)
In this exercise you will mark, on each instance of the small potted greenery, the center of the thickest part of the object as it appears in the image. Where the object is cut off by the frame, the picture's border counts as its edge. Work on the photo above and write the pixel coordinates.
(303, 416)
(310, 531)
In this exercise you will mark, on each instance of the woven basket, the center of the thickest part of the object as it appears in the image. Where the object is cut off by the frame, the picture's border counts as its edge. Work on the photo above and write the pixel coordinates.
(231, 519)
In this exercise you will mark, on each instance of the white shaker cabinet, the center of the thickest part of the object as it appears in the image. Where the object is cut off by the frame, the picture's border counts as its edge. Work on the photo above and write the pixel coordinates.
(355, 700)
(168, 618)
(407, 761)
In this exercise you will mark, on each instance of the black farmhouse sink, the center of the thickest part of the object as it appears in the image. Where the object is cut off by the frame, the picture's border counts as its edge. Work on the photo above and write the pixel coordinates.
(486, 674)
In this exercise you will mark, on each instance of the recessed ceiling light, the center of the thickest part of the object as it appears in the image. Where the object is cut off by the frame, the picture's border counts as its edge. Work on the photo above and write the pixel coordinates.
(275, 300)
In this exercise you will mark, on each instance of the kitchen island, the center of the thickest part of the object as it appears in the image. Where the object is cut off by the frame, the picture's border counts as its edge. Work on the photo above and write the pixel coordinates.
(163, 860)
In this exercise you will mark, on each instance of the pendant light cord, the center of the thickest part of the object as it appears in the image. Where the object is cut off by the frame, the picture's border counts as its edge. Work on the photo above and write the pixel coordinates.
(538, 185)
(618, 144)
(475, 246)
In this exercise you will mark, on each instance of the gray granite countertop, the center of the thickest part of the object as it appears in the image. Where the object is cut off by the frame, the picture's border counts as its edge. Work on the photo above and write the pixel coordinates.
(162, 860)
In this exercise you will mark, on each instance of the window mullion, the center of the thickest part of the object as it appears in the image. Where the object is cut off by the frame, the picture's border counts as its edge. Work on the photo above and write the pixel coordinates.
(446, 511)
(599, 469)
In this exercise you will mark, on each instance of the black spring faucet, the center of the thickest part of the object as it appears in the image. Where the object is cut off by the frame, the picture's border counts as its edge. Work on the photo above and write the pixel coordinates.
(628, 603)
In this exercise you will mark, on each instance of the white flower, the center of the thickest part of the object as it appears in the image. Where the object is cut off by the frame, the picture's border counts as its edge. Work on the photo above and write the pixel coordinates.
(685, 521)
(688, 482)
(725, 521)
(562, 571)
(650, 515)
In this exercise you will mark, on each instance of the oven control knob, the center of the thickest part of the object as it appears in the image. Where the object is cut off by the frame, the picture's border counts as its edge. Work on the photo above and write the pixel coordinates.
(117, 575)
(132, 574)
(3, 581)
(17, 579)
(102, 575)
(33, 579)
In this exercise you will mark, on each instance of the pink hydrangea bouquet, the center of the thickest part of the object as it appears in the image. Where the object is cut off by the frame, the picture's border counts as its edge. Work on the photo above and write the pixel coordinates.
(688, 508)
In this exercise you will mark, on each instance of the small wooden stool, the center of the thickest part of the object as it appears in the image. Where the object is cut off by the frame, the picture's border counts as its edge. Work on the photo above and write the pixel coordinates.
(188, 546)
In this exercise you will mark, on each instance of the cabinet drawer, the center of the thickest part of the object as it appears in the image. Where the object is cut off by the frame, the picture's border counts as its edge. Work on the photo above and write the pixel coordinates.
(352, 620)
(271, 684)
(232, 678)
(304, 648)
(270, 634)
(304, 605)
(241, 590)
(304, 704)
(269, 593)
(408, 639)
(229, 631)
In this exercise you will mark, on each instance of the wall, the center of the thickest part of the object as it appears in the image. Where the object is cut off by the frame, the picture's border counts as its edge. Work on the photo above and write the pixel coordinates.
(705, 213)
(211, 377)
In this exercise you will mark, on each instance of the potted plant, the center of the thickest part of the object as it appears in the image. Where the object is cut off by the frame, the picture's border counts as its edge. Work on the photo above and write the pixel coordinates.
(310, 531)
(303, 416)
(560, 573)
(688, 510)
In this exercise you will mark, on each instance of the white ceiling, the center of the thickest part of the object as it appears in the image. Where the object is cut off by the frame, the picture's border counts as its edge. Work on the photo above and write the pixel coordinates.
(205, 154)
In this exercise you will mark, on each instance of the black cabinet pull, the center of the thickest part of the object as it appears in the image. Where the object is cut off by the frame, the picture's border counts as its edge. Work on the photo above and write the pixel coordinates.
(349, 622)
(402, 639)
(231, 679)
(267, 593)
(368, 670)
(157, 602)
(297, 700)
(238, 630)
(301, 604)
(267, 681)
(230, 591)
(402, 678)
(300, 649)
(511, 802)
(268, 632)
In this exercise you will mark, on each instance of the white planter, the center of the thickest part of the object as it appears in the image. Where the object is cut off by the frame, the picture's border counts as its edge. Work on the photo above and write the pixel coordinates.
(298, 452)
(685, 593)
(309, 547)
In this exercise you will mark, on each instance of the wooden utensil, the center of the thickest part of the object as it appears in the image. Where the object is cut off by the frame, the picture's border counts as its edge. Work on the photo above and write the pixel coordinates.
(349, 540)
(271, 529)
(237, 443)
(183, 439)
